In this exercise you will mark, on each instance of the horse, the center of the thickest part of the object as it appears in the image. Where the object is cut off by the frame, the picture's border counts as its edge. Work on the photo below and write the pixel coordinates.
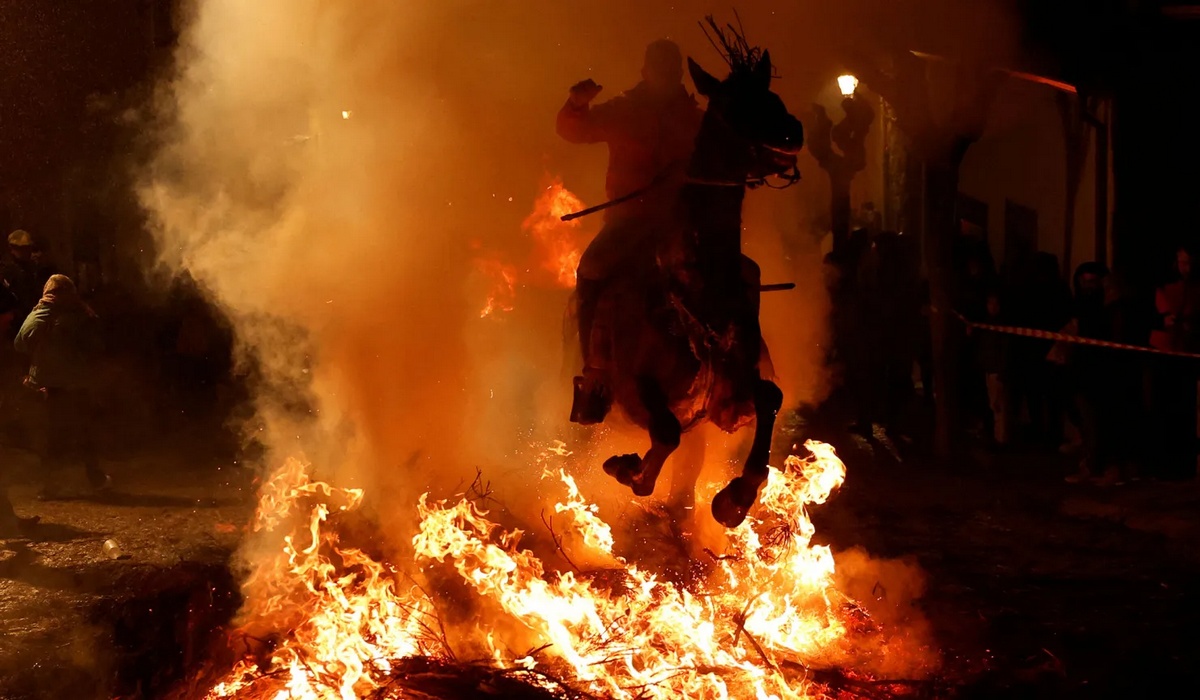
(679, 335)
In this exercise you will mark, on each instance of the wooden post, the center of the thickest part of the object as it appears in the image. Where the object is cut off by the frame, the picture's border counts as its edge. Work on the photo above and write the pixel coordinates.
(940, 145)
(1101, 233)
(843, 162)
(1073, 112)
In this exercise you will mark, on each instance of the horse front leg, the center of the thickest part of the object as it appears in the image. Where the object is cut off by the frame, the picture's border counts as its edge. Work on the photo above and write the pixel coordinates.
(641, 474)
(735, 500)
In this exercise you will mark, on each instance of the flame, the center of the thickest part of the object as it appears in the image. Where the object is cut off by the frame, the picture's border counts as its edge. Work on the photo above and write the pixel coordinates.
(557, 243)
(557, 249)
(765, 613)
(503, 281)
(348, 613)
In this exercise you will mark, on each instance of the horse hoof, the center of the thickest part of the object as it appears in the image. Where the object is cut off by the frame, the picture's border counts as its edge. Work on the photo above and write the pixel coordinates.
(733, 503)
(623, 468)
(642, 487)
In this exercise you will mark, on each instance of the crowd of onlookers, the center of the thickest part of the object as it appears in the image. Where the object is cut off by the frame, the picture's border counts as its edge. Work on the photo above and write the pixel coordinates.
(1125, 413)
(58, 385)
(50, 339)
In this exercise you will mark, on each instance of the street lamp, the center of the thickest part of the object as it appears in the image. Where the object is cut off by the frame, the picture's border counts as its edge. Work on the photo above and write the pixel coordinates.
(841, 152)
(848, 84)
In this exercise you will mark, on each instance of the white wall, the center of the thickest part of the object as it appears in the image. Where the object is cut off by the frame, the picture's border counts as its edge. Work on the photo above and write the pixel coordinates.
(1022, 157)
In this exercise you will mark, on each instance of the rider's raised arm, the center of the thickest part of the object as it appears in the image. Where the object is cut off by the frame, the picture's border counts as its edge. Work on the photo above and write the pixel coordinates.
(584, 124)
(579, 121)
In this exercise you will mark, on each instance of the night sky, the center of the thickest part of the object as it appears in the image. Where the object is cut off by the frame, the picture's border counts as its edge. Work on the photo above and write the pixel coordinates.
(53, 54)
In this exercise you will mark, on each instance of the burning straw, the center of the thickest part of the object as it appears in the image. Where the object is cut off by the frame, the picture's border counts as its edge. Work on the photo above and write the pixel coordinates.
(332, 621)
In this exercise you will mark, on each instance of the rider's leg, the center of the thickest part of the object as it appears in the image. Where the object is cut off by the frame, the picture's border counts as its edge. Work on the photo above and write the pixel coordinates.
(595, 266)
(587, 296)
(591, 402)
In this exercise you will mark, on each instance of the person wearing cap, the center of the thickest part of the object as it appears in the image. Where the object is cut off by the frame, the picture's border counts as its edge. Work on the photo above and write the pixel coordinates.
(62, 338)
(23, 273)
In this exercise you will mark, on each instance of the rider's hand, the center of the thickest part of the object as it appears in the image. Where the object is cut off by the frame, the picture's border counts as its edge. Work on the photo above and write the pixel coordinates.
(582, 93)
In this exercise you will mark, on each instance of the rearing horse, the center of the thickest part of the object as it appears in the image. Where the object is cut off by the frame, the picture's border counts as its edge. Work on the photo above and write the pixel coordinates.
(679, 335)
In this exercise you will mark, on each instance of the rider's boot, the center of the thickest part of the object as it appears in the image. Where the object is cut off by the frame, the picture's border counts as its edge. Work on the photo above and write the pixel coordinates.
(592, 400)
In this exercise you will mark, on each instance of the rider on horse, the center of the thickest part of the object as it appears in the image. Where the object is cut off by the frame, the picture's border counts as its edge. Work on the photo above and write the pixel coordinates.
(650, 131)
(668, 302)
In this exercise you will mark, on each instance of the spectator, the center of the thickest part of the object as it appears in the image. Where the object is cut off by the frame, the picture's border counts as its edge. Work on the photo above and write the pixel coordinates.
(1173, 379)
(1125, 420)
(993, 351)
(1108, 382)
(1086, 364)
(62, 338)
(866, 363)
(1041, 300)
(900, 317)
(23, 273)
(978, 276)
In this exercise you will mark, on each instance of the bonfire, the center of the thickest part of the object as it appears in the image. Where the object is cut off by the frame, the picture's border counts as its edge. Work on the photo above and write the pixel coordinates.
(474, 613)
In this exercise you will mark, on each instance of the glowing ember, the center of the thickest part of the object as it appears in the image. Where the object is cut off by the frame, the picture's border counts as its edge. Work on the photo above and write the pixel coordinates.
(764, 613)
(558, 244)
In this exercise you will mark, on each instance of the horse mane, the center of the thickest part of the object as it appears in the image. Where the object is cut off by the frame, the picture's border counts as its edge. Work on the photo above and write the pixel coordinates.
(731, 43)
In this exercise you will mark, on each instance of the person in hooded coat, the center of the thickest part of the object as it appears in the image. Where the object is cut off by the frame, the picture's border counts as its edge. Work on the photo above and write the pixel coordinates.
(62, 338)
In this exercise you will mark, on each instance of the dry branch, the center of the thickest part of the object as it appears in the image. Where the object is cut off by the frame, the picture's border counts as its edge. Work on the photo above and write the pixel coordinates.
(554, 536)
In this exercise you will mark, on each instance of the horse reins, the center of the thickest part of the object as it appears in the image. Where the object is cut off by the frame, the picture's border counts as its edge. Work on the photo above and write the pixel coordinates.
(790, 177)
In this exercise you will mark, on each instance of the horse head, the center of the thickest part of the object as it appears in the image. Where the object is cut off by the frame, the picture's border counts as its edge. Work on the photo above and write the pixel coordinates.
(748, 132)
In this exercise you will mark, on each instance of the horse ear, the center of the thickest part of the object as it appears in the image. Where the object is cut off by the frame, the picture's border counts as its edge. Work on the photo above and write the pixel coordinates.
(762, 71)
(706, 84)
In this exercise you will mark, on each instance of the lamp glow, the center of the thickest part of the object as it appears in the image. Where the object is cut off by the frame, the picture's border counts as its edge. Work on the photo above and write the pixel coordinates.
(847, 84)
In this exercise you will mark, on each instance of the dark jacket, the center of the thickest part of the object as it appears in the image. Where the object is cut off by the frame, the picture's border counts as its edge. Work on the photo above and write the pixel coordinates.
(63, 344)
(993, 349)
(646, 137)
(22, 283)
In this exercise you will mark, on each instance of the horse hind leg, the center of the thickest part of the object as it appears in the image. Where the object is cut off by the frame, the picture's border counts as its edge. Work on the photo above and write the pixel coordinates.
(735, 500)
(642, 474)
(686, 466)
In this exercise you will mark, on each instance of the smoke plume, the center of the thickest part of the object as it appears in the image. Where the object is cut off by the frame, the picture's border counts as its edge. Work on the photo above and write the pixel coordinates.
(347, 181)
(333, 172)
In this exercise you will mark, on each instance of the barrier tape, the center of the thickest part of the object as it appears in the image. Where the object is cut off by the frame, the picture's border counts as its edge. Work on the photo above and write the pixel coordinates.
(1067, 338)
